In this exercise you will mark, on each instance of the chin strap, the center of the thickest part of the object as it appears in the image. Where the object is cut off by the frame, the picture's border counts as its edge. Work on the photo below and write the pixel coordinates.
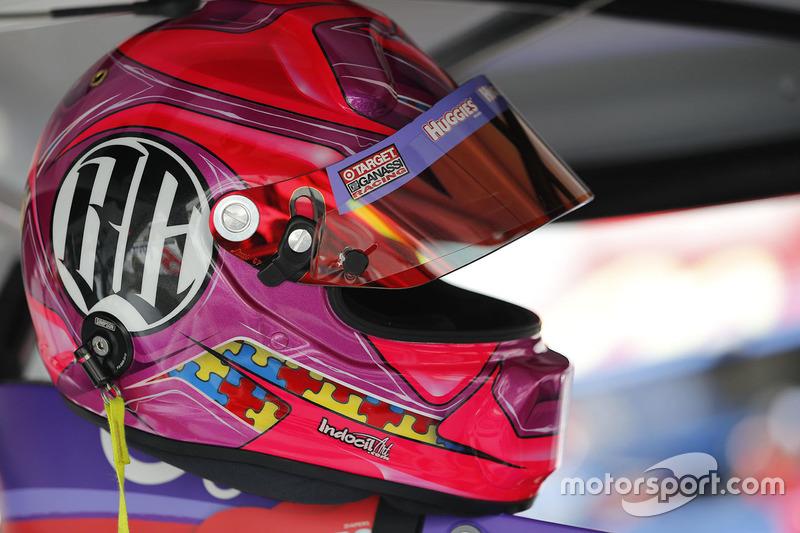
(115, 411)
(97, 356)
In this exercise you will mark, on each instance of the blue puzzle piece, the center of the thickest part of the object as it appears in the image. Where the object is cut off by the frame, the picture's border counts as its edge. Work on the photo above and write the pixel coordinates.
(245, 359)
(260, 394)
(234, 377)
(270, 373)
(246, 351)
(210, 388)
(188, 370)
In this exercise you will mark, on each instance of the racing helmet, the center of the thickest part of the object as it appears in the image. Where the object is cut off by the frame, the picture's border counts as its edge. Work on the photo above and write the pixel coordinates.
(240, 218)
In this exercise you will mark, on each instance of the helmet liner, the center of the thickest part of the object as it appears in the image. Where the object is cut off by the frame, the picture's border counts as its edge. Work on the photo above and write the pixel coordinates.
(434, 312)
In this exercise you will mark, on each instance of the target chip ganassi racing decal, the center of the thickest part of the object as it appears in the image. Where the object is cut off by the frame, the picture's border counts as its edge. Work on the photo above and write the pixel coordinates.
(374, 171)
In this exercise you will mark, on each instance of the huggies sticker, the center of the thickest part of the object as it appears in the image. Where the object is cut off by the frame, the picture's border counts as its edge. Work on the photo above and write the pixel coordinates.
(383, 168)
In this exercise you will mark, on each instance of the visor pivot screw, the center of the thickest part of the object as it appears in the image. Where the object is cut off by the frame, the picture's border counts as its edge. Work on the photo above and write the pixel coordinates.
(299, 240)
(100, 346)
(236, 218)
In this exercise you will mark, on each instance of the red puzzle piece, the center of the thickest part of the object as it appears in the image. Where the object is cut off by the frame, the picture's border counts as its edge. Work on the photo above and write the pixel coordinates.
(241, 399)
(421, 424)
(342, 394)
(378, 415)
(298, 380)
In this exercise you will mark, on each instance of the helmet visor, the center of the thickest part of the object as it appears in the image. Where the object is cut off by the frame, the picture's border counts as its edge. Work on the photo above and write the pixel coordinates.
(465, 178)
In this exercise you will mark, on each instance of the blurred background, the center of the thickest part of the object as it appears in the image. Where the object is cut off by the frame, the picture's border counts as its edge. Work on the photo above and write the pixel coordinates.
(682, 318)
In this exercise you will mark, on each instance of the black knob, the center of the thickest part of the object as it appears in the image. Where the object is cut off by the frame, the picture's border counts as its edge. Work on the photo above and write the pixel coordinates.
(110, 345)
(355, 262)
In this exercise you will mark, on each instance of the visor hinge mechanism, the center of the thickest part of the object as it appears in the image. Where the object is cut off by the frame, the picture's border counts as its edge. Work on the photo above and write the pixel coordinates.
(107, 350)
(297, 246)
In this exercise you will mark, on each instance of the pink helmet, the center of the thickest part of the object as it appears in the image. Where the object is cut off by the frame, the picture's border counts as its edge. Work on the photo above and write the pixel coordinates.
(239, 218)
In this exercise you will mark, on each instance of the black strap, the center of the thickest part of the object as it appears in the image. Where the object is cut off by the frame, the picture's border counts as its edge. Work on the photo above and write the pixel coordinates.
(390, 519)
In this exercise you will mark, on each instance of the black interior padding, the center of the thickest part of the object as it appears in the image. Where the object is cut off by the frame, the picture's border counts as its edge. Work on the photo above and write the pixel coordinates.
(434, 312)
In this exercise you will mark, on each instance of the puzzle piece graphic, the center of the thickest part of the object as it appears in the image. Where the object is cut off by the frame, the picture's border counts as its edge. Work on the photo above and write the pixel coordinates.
(262, 410)
(241, 399)
(405, 428)
(259, 362)
(252, 403)
(379, 413)
(260, 357)
(271, 372)
(239, 352)
(422, 424)
(325, 398)
(283, 408)
(260, 393)
(247, 353)
(210, 387)
(241, 349)
(291, 364)
(299, 380)
(265, 418)
(341, 393)
(234, 377)
(189, 368)
(210, 365)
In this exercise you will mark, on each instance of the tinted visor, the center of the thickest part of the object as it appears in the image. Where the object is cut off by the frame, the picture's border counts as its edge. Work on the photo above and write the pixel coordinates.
(466, 177)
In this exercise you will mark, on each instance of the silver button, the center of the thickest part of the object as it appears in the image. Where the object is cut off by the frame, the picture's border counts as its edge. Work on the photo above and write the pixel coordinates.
(299, 240)
(235, 217)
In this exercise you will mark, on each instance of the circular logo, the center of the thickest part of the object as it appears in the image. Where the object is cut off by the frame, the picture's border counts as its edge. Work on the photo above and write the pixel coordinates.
(130, 232)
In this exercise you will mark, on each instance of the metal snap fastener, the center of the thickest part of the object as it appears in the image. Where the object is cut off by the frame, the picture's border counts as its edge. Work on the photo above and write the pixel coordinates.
(299, 240)
(236, 218)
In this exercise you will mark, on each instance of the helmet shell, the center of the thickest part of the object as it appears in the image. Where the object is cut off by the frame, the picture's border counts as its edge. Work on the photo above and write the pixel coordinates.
(238, 94)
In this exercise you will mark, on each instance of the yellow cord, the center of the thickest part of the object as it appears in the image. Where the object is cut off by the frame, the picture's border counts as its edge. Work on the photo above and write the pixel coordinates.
(115, 411)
